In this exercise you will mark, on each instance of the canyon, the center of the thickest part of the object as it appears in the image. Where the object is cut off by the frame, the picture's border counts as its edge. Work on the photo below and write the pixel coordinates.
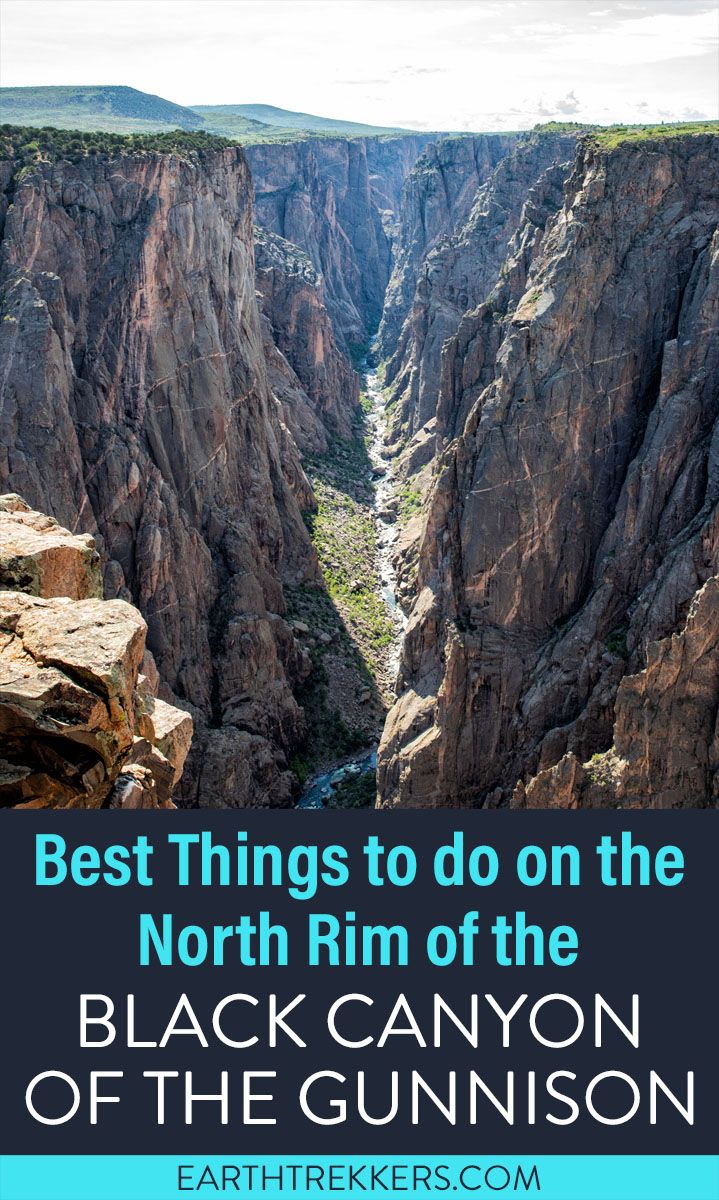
(404, 448)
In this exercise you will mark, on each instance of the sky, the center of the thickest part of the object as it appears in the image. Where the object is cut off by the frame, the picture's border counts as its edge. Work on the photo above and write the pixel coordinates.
(425, 64)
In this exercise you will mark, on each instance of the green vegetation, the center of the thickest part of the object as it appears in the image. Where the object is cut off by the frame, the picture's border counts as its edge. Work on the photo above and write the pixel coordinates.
(345, 624)
(287, 122)
(357, 352)
(345, 537)
(605, 768)
(617, 642)
(111, 109)
(563, 127)
(608, 137)
(336, 667)
(357, 791)
(617, 135)
(300, 768)
(410, 501)
(29, 146)
(124, 110)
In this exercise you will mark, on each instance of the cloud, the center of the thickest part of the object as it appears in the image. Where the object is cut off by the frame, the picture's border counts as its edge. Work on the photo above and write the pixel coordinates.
(409, 70)
(540, 30)
(435, 64)
(565, 106)
(569, 105)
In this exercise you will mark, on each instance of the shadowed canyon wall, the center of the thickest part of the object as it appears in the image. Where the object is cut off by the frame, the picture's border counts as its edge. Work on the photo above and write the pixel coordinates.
(565, 596)
(336, 199)
(147, 420)
(148, 401)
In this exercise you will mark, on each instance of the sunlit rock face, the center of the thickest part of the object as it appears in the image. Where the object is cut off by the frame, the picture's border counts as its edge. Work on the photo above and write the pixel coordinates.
(436, 201)
(307, 371)
(80, 726)
(564, 599)
(168, 353)
(147, 421)
(463, 203)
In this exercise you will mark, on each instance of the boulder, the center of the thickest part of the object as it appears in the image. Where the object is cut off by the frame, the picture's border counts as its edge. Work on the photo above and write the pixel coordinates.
(41, 558)
(79, 725)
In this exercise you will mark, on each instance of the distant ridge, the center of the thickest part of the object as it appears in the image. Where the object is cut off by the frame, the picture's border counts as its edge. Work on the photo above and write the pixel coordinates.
(283, 118)
(110, 108)
(116, 109)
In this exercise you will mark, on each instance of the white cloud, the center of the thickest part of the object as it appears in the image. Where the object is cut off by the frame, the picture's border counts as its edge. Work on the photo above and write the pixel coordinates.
(569, 105)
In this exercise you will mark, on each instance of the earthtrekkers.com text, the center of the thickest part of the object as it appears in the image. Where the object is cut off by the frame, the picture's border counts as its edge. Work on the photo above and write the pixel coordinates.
(385, 1178)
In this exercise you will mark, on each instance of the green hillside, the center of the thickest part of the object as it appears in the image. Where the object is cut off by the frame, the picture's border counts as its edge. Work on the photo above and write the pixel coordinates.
(220, 118)
(610, 136)
(124, 110)
(113, 109)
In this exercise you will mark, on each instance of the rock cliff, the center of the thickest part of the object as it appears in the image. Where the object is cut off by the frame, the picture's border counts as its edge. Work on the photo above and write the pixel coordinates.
(334, 198)
(565, 597)
(315, 381)
(80, 725)
(454, 242)
(436, 199)
(147, 421)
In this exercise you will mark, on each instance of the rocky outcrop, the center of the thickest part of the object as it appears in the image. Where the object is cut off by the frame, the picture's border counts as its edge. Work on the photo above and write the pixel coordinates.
(502, 234)
(556, 380)
(389, 161)
(318, 388)
(41, 558)
(665, 750)
(332, 197)
(564, 604)
(147, 422)
(79, 723)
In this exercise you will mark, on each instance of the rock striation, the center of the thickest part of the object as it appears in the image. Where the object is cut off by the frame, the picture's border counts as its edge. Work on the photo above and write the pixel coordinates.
(455, 239)
(80, 726)
(566, 593)
(437, 198)
(147, 422)
(168, 355)
(334, 198)
(314, 380)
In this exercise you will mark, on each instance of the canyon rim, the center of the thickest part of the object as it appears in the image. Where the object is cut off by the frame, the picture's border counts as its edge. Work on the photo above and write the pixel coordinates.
(356, 468)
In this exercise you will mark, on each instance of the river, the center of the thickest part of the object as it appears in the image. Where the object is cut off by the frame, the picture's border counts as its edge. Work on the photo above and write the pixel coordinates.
(320, 787)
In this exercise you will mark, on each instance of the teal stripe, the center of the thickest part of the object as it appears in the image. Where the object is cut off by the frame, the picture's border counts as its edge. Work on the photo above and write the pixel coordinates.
(155, 1177)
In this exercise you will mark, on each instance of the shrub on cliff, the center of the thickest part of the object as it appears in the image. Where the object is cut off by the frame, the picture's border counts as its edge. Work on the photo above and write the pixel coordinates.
(28, 145)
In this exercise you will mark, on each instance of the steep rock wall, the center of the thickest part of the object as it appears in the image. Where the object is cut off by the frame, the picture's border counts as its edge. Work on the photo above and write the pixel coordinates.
(573, 519)
(332, 197)
(146, 420)
(316, 383)
(436, 198)
(442, 277)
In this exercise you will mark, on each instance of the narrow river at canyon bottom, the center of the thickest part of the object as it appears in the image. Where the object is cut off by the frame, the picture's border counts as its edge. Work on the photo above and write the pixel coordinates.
(319, 789)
